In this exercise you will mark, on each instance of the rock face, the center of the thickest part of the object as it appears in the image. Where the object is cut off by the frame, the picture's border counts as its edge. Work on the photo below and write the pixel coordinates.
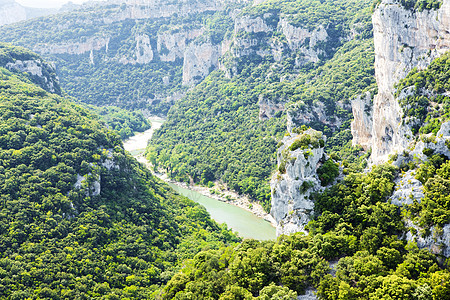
(403, 39)
(363, 118)
(295, 180)
(94, 43)
(39, 72)
(172, 46)
(408, 189)
(300, 113)
(304, 41)
(268, 108)
(253, 37)
(11, 12)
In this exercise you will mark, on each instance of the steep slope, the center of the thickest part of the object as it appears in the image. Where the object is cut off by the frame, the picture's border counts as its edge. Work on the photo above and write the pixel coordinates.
(294, 62)
(131, 54)
(405, 38)
(12, 12)
(79, 217)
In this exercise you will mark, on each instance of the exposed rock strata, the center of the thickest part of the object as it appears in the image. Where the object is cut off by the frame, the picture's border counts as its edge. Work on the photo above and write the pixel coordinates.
(295, 181)
(94, 43)
(39, 72)
(362, 123)
(268, 108)
(403, 39)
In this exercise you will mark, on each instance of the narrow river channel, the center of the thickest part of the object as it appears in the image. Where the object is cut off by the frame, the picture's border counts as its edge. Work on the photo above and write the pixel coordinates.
(241, 221)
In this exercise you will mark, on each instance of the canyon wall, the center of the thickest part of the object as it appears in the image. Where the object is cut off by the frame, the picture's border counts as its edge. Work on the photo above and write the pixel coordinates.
(404, 39)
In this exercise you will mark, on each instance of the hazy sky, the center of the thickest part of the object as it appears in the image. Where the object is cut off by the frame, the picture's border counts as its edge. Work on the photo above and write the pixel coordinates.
(47, 3)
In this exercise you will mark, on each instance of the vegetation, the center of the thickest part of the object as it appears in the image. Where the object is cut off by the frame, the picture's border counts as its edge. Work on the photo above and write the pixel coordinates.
(356, 228)
(124, 122)
(214, 133)
(426, 105)
(79, 218)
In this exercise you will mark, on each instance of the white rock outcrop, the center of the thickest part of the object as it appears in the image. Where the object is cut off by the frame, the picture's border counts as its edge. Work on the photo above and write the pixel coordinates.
(407, 189)
(300, 114)
(94, 43)
(147, 9)
(438, 242)
(268, 108)
(36, 68)
(403, 39)
(304, 40)
(361, 125)
(172, 46)
(200, 59)
(294, 182)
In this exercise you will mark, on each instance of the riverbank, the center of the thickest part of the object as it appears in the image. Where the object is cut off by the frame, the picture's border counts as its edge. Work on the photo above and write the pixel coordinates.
(218, 192)
(137, 144)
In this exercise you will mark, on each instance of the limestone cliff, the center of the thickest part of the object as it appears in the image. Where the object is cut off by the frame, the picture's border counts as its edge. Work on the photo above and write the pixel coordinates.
(296, 179)
(409, 189)
(363, 118)
(200, 58)
(254, 36)
(403, 39)
(80, 47)
(172, 46)
(38, 71)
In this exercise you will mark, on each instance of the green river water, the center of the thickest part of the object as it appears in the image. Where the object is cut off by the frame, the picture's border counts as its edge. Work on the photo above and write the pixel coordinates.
(241, 221)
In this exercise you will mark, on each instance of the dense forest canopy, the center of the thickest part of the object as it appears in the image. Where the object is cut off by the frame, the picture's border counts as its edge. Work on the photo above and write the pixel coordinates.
(215, 133)
(79, 216)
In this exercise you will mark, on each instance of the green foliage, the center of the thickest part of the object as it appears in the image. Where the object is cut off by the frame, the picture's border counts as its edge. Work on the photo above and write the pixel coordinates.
(216, 125)
(421, 5)
(250, 270)
(428, 106)
(124, 122)
(63, 237)
(434, 208)
(328, 172)
(215, 134)
(47, 79)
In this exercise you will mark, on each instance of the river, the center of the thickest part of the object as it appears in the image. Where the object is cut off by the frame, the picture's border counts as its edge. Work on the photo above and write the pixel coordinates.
(240, 220)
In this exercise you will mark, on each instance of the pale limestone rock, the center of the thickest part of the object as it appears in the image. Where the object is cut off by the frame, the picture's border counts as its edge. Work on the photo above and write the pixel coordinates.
(292, 207)
(438, 242)
(363, 119)
(35, 68)
(94, 189)
(146, 9)
(303, 40)
(300, 114)
(251, 25)
(407, 189)
(310, 294)
(172, 46)
(268, 108)
(403, 40)
(199, 60)
(144, 51)
(94, 43)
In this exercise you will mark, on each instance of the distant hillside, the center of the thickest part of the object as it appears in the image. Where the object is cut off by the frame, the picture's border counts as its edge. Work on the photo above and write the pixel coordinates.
(12, 12)
(79, 216)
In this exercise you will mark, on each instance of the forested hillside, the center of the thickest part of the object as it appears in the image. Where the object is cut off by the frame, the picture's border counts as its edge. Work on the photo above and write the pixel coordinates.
(128, 55)
(80, 218)
(354, 250)
(227, 129)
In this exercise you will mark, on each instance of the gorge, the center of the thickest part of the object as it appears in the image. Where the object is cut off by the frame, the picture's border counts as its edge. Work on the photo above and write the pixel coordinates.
(332, 115)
